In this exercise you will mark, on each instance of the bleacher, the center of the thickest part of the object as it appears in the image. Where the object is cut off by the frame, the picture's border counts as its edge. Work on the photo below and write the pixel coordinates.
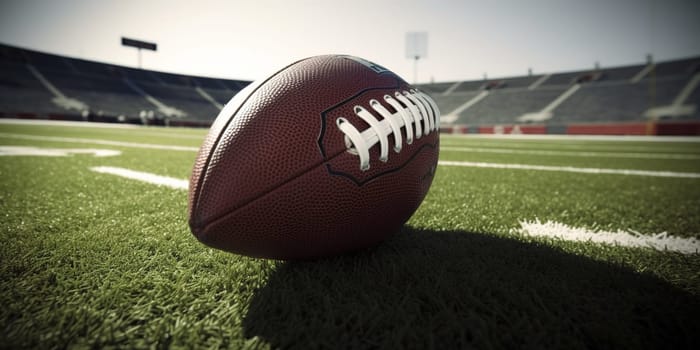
(40, 85)
(35, 84)
(20, 92)
(616, 94)
(505, 105)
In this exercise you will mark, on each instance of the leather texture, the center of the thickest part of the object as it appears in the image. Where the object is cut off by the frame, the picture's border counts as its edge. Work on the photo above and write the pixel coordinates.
(274, 177)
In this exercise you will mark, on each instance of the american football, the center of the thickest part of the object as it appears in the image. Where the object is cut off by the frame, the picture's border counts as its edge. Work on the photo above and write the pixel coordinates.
(328, 155)
(414, 174)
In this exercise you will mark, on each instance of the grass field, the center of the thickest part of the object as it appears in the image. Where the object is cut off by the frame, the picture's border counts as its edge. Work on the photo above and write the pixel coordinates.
(92, 260)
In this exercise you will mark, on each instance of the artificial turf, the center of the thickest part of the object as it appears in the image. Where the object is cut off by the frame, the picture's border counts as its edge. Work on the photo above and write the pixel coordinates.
(91, 260)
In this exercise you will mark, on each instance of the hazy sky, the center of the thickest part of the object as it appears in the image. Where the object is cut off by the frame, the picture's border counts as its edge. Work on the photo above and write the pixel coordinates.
(244, 39)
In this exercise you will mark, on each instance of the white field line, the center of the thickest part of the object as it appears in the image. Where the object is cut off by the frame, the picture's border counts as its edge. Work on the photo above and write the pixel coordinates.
(611, 138)
(571, 169)
(99, 142)
(573, 145)
(573, 153)
(171, 182)
(567, 146)
(630, 238)
(132, 128)
(69, 123)
(55, 152)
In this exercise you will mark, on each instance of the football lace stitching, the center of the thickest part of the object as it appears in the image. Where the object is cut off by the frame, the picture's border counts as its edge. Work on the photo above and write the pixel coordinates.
(416, 113)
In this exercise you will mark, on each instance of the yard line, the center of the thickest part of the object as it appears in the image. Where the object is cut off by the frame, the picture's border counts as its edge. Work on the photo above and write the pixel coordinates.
(572, 145)
(69, 123)
(130, 128)
(573, 153)
(171, 182)
(661, 241)
(55, 152)
(614, 138)
(99, 142)
(572, 169)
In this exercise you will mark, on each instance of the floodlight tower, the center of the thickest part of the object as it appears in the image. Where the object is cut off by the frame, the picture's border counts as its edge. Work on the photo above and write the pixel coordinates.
(139, 45)
(416, 48)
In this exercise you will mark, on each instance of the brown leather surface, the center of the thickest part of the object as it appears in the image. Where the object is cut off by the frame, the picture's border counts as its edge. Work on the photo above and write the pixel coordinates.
(274, 178)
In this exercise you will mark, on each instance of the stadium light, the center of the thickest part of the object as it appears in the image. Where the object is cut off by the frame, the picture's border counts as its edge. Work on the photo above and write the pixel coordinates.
(139, 45)
(416, 48)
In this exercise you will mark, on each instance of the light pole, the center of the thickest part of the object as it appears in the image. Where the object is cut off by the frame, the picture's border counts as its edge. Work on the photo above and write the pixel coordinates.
(416, 48)
(139, 45)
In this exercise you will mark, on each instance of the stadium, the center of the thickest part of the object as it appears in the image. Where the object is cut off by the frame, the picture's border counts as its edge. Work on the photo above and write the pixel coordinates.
(646, 99)
(563, 209)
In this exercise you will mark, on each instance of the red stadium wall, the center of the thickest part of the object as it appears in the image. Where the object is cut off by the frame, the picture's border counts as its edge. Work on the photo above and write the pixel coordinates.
(513, 129)
(609, 129)
(678, 128)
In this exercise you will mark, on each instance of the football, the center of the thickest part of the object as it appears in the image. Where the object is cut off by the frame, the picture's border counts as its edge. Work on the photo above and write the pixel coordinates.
(328, 155)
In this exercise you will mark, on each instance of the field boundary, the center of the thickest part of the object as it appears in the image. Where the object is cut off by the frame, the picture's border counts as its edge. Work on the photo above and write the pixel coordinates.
(160, 180)
(570, 169)
(98, 142)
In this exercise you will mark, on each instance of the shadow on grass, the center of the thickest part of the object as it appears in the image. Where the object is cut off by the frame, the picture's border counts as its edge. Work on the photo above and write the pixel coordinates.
(428, 289)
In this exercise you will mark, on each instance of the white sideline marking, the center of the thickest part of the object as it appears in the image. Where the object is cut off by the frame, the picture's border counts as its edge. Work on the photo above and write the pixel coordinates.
(606, 138)
(571, 169)
(98, 142)
(145, 129)
(70, 123)
(573, 153)
(55, 152)
(661, 241)
(171, 182)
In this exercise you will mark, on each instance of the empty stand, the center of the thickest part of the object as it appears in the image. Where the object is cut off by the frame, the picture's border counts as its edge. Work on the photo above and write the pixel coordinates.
(435, 88)
(562, 79)
(520, 82)
(619, 101)
(621, 94)
(469, 86)
(620, 73)
(504, 106)
(104, 96)
(109, 91)
(21, 93)
(683, 67)
(184, 98)
(449, 103)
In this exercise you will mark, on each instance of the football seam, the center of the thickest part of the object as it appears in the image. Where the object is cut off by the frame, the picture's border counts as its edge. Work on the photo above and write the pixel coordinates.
(264, 193)
(205, 167)
(325, 162)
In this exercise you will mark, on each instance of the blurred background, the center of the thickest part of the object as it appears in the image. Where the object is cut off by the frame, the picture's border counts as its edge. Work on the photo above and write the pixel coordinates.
(538, 65)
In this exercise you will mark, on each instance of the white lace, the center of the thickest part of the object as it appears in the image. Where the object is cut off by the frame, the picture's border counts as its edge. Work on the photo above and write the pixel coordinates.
(412, 109)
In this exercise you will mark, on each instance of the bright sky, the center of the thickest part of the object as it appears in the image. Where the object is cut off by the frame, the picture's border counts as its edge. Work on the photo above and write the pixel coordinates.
(245, 39)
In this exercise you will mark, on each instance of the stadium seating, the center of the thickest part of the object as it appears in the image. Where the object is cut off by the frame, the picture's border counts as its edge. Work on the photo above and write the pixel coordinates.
(20, 92)
(31, 82)
(618, 101)
(617, 94)
(38, 84)
(505, 105)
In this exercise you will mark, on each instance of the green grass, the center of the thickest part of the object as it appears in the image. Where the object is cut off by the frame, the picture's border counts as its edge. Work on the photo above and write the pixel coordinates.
(92, 260)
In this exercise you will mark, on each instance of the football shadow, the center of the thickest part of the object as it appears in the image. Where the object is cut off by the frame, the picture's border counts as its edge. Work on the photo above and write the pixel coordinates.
(431, 289)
